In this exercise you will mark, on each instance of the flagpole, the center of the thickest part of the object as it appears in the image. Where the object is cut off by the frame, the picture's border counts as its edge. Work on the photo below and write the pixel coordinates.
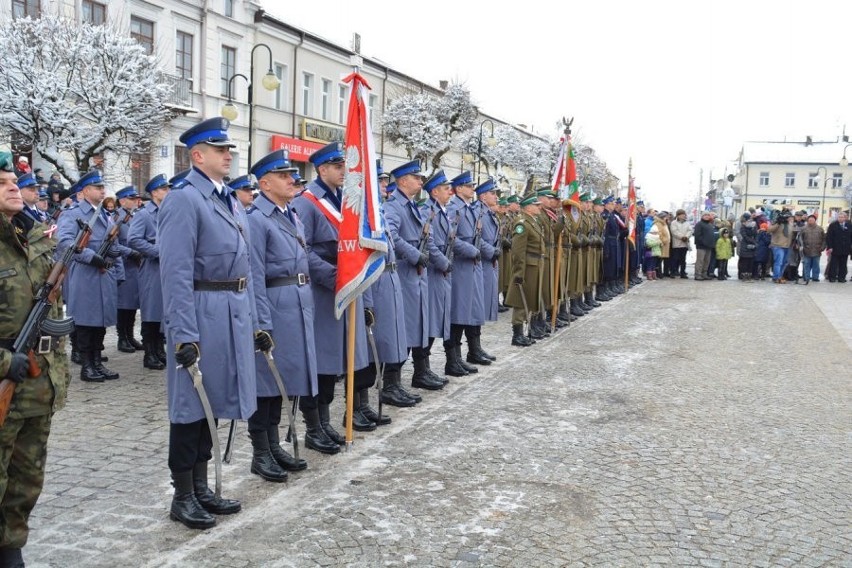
(350, 372)
(627, 240)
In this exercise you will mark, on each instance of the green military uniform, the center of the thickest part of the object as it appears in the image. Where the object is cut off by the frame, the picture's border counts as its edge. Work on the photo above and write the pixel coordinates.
(25, 262)
(504, 274)
(528, 256)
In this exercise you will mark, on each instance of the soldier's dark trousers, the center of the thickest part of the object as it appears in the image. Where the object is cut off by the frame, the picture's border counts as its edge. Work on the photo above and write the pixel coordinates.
(90, 338)
(267, 415)
(23, 450)
(364, 379)
(456, 333)
(189, 444)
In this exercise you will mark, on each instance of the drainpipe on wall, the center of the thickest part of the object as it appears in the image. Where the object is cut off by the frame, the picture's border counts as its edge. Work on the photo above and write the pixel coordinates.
(295, 77)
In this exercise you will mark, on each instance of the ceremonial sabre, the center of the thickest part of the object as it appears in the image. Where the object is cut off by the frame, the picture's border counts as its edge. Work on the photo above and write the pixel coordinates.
(526, 309)
(229, 445)
(198, 383)
(290, 418)
(380, 369)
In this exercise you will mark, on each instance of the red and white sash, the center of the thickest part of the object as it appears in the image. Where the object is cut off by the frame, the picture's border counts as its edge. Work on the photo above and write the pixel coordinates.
(327, 209)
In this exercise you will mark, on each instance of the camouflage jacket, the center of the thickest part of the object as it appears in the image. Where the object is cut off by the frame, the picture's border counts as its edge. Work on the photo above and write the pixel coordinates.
(26, 257)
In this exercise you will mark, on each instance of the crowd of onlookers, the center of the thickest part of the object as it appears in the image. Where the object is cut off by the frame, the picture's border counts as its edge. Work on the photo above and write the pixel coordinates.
(768, 244)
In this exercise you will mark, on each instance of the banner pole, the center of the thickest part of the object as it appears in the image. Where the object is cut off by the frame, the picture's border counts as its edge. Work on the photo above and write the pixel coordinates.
(350, 372)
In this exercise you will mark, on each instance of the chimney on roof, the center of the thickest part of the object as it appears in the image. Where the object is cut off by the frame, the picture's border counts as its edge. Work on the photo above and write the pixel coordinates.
(808, 141)
(443, 85)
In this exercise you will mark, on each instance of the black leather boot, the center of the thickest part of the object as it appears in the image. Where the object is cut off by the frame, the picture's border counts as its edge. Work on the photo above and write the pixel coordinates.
(563, 314)
(325, 423)
(421, 379)
(123, 344)
(370, 414)
(360, 423)
(469, 368)
(392, 392)
(262, 462)
(128, 332)
(518, 337)
(11, 558)
(185, 506)
(160, 347)
(576, 310)
(475, 350)
(453, 367)
(432, 374)
(284, 459)
(590, 300)
(603, 294)
(206, 497)
(315, 436)
(151, 361)
(88, 372)
(99, 367)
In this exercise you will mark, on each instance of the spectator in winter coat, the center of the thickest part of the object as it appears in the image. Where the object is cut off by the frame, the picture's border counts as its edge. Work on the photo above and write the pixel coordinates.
(705, 241)
(838, 242)
(23, 166)
(681, 231)
(747, 247)
(813, 243)
(663, 265)
(782, 236)
(761, 254)
(723, 253)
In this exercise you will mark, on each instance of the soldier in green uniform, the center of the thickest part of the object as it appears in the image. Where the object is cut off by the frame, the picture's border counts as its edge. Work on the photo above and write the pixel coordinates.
(513, 208)
(25, 261)
(528, 247)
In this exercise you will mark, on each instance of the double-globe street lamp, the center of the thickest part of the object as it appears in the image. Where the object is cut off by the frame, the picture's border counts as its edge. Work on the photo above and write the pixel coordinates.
(824, 178)
(270, 82)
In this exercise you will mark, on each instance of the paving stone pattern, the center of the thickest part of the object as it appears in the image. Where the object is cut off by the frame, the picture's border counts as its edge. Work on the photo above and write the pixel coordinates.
(685, 423)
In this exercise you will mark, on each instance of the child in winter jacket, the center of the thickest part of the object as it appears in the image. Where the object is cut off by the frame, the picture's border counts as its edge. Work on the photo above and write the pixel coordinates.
(723, 253)
(761, 254)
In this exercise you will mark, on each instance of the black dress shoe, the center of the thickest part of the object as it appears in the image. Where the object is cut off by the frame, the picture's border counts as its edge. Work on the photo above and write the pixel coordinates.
(124, 345)
(374, 417)
(469, 368)
(478, 359)
(360, 423)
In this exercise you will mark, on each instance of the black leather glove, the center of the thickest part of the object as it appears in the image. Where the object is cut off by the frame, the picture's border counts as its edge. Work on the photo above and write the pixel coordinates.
(423, 260)
(135, 256)
(497, 253)
(507, 244)
(369, 317)
(113, 252)
(263, 341)
(18, 367)
(99, 262)
(519, 279)
(187, 354)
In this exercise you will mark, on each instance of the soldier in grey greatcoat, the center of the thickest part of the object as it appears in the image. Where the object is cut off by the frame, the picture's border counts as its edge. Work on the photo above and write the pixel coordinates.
(319, 209)
(128, 291)
(466, 307)
(440, 265)
(91, 284)
(490, 249)
(412, 240)
(209, 315)
(285, 309)
(143, 237)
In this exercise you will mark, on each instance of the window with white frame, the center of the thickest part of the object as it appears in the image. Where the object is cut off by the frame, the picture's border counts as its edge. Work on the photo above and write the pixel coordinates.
(790, 179)
(307, 93)
(342, 103)
(813, 180)
(281, 91)
(24, 8)
(183, 56)
(326, 99)
(143, 32)
(371, 103)
(228, 68)
(764, 179)
(229, 8)
(836, 181)
(94, 13)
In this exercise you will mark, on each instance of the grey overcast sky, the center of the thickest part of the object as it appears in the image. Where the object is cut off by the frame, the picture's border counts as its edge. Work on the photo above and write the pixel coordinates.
(676, 85)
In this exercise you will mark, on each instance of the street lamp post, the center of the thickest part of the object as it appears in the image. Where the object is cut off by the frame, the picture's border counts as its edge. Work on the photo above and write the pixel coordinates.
(270, 82)
(824, 184)
(479, 146)
(843, 161)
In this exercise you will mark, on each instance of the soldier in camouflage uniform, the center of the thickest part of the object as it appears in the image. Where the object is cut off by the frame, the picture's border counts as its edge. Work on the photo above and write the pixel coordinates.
(528, 255)
(25, 262)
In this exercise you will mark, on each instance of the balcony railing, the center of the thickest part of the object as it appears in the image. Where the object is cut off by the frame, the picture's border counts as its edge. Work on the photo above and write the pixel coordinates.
(181, 90)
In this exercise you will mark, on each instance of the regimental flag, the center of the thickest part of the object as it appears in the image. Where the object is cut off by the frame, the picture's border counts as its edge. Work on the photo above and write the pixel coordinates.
(631, 212)
(565, 182)
(362, 244)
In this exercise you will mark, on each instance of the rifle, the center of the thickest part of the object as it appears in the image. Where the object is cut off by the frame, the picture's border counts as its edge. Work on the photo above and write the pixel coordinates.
(422, 245)
(38, 326)
(103, 250)
(451, 239)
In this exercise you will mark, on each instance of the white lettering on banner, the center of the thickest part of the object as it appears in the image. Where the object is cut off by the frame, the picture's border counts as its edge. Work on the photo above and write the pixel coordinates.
(348, 245)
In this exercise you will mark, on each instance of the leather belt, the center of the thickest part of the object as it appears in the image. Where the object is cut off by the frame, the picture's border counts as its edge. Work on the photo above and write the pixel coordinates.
(238, 285)
(46, 344)
(299, 279)
(390, 267)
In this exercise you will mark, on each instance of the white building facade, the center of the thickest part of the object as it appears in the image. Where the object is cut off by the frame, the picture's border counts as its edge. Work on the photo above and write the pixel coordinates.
(210, 49)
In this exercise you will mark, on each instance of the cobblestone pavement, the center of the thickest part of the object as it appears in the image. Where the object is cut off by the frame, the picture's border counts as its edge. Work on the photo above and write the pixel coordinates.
(685, 423)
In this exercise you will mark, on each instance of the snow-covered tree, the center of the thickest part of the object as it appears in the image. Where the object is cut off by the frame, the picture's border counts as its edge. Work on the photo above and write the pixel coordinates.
(78, 90)
(426, 125)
